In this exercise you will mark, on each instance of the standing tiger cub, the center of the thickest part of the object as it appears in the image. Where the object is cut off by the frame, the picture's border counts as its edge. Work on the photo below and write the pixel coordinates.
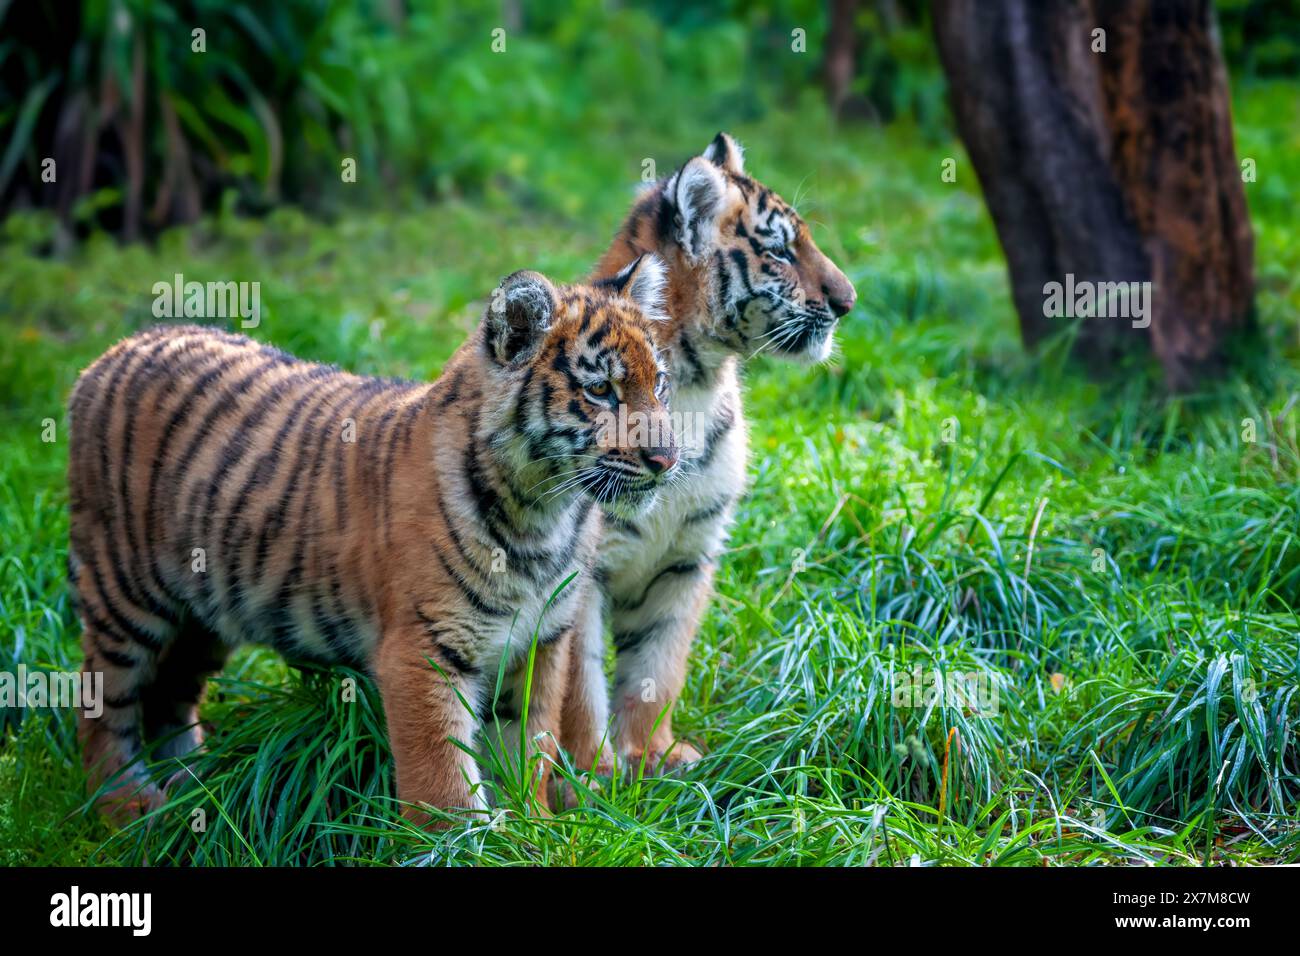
(225, 492)
(744, 277)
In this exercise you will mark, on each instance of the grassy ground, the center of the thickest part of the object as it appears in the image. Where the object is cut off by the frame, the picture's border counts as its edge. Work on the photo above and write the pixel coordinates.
(1143, 650)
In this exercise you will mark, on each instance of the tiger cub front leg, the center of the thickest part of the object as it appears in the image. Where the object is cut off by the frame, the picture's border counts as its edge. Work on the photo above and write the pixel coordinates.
(653, 641)
(428, 709)
(585, 726)
(546, 704)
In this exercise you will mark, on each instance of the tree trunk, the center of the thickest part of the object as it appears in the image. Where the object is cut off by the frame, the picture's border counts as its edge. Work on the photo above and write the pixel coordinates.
(1100, 131)
(840, 63)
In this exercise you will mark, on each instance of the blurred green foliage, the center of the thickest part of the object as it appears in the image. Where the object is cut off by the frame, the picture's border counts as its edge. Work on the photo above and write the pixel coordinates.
(147, 130)
(423, 95)
(1261, 37)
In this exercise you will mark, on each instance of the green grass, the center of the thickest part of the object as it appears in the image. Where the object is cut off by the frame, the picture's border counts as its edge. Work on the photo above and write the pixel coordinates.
(1122, 567)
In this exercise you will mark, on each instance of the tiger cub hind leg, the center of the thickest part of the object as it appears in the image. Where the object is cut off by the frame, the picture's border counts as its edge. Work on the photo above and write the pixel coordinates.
(121, 641)
(149, 717)
(154, 675)
(112, 742)
(170, 703)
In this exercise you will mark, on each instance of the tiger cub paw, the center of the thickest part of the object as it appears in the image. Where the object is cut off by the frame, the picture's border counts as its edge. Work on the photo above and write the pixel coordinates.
(659, 762)
(130, 801)
(606, 765)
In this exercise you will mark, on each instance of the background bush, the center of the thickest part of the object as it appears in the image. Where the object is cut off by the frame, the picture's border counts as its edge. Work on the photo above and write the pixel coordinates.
(146, 132)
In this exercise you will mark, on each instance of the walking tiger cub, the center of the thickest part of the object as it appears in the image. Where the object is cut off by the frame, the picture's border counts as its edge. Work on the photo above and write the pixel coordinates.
(224, 492)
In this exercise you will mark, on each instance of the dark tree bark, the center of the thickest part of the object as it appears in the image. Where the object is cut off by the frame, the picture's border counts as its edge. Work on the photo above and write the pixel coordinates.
(840, 63)
(1111, 166)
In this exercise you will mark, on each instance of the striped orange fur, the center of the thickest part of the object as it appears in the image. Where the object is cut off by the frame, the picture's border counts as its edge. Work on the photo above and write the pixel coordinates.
(225, 492)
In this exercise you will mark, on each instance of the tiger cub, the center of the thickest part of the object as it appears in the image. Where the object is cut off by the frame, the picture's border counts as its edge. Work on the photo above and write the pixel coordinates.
(744, 277)
(224, 492)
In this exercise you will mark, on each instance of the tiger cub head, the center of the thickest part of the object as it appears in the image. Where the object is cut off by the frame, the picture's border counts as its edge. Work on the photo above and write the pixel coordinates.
(582, 385)
(755, 280)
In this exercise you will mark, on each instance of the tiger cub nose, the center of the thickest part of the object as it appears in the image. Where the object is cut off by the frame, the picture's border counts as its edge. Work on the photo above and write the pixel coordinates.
(841, 300)
(659, 460)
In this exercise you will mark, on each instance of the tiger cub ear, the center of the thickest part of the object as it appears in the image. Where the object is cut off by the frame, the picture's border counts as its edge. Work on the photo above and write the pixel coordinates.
(726, 153)
(642, 280)
(697, 192)
(522, 308)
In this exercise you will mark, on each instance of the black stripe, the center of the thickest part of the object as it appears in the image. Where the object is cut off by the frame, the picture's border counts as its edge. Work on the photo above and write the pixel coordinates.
(263, 471)
(108, 515)
(695, 374)
(622, 525)
(628, 640)
(410, 420)
(342, 650)
(724, 277)
(116, 658)
(545, 639)
(487, 503)
(742, 267)
(456, 541)
(275, 521)
(477, 601)
(682, 567)
(456, 660)
(162, 457)
(726, 419)
(705, 514)
(398, 427)
(141, 377)
(335, 589)
(433, 628)
(370, 389)
(124, 626)
(561, 364)
(450, 388)
(376, 460)
(664, 218)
